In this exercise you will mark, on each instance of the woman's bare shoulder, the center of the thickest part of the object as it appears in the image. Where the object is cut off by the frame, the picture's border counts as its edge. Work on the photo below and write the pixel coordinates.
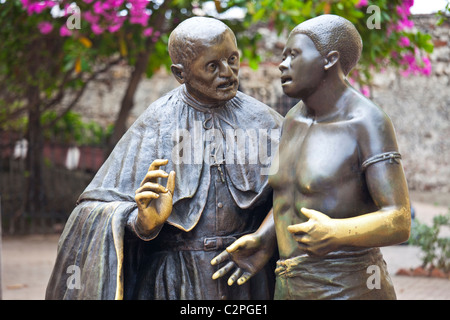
(373, 126)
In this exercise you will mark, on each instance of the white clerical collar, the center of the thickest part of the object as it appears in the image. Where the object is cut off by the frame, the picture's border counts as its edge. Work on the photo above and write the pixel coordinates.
(200, 106)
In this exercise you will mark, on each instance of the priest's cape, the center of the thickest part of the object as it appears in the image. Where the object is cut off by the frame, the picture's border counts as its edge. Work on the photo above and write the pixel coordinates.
(90, 259)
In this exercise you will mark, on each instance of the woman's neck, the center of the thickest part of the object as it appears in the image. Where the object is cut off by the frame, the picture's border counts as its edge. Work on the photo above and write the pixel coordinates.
(324, 102)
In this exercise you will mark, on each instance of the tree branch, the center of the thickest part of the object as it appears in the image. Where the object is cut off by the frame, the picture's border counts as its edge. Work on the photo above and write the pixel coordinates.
(140, 66)
(60, 95)
(80, 92)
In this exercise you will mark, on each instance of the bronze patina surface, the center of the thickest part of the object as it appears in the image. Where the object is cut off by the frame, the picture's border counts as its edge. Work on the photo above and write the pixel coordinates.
(177, 190)
(339, 190)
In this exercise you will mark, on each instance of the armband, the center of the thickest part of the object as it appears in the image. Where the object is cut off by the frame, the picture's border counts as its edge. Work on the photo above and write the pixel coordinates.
(391, 156)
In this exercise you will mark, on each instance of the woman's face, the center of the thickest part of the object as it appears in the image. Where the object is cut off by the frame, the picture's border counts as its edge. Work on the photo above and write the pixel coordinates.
(302, 69)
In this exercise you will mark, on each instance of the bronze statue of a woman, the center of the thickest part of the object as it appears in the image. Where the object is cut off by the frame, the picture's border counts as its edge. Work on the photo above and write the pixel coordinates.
(339, 190)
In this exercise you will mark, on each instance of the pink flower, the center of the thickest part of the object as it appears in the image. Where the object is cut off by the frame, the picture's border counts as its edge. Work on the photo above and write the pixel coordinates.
(156, 36)
(404, 24)
(50, 3)
(413, 67)
(113, 28)
(405, 73)
(140, 19)
(427, 69)
(403, 12)
(147, 32)
(36, 8)
(98, 7)
(33, 7)
(138, 5)
(362, 3)
(365, 90)
(106, 6)
(91, 18)
(64, 32)
(351, 81)
(96, 29)
(404, 42)
(115, 3)
(45, 27)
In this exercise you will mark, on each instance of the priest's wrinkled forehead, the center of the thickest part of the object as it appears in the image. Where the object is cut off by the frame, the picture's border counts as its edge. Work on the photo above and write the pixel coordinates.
(188, 40)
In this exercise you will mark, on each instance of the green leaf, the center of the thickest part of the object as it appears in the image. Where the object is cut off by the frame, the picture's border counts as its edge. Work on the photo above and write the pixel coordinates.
(259, 14)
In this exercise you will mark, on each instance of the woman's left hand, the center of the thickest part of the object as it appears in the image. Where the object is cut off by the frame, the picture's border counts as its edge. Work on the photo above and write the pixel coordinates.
(317, 236)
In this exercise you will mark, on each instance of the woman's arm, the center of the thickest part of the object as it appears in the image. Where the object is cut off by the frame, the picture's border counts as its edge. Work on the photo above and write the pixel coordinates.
(386, 183)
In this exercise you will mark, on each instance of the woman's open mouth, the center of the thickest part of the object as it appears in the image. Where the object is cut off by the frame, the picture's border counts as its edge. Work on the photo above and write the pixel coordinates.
(286, 80)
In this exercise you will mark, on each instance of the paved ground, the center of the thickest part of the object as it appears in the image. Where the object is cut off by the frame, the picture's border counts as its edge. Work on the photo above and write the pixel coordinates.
(27, 263)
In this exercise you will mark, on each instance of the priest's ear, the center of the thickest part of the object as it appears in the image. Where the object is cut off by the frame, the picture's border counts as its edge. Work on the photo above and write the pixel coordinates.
(178, 72)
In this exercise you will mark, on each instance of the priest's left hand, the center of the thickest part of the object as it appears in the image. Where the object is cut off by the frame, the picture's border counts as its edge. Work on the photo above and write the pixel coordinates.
(318, 235)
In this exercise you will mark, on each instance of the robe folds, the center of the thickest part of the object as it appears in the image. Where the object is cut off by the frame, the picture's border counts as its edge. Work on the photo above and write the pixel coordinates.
(233, 142)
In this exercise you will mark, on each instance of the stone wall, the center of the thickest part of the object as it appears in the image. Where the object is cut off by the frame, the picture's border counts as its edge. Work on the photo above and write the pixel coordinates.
(419, 106)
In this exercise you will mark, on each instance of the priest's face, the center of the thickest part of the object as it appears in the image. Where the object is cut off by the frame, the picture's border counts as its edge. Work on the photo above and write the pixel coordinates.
(213, 76)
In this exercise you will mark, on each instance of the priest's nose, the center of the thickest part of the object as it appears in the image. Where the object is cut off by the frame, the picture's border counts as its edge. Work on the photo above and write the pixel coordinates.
(225, 69)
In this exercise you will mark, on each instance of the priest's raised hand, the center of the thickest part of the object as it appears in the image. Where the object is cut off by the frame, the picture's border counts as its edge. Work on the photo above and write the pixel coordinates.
(154, 201)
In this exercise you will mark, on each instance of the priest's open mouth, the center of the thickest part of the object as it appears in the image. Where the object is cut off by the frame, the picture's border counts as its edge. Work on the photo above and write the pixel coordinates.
(226, 85)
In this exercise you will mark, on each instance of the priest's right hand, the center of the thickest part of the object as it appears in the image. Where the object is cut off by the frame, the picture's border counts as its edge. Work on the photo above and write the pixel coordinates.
(154, 201)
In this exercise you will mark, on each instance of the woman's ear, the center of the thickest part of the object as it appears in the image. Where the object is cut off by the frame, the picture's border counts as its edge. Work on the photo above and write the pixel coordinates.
(178, 72)
(332, 58)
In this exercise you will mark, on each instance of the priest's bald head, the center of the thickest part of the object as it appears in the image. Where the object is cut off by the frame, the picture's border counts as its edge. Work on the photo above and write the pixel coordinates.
(206, 59)
(187, 40)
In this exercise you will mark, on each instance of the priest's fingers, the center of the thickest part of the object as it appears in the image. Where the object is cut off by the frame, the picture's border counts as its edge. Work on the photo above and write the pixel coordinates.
(222, 257)
(150, 186)
(152, 176)
(158, 163)
(224, 270)
(240, 243)
(171, 182)
(145, 197)
(234, 276)
(243, 279)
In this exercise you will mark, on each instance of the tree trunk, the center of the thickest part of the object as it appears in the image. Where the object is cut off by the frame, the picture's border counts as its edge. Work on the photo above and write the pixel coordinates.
(34, 196)
(127, 104)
